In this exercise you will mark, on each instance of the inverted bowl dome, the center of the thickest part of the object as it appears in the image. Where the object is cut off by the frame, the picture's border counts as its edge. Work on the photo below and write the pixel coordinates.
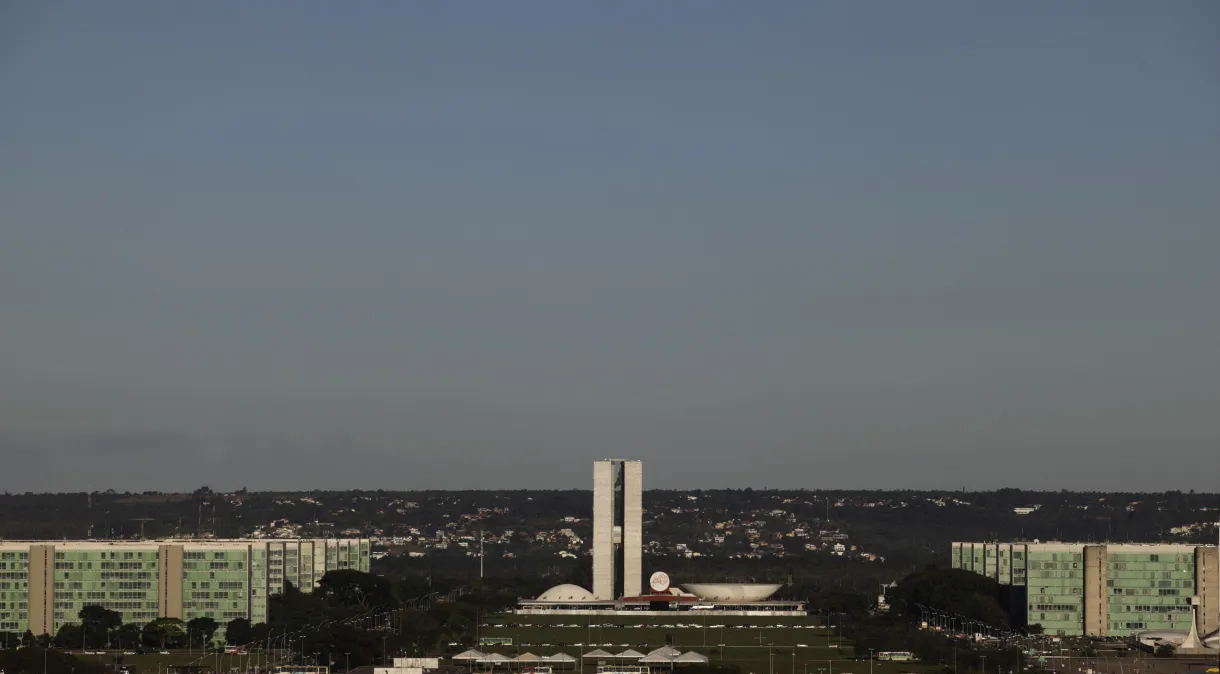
(732, 591)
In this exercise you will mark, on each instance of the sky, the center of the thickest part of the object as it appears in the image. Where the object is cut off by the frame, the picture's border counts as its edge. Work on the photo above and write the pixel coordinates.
(321, 245)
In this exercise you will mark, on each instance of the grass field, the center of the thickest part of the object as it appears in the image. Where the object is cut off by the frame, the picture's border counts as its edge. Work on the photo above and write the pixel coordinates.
(151, 663)
(682, 630)
(785, 645)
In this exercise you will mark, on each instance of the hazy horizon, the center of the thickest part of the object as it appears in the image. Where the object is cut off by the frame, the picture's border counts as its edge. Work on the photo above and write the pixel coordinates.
(409, 246)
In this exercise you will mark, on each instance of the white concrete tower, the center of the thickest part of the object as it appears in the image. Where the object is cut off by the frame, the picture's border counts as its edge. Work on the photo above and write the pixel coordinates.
(633, 528)
(603, 530)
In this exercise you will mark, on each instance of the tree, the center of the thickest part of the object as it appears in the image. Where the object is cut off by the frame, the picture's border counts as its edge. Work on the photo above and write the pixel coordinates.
(96, 623)
(69, 636)
(953, 591)
(204, 627)
(239, 632)
(98, 616)
(351, 587)
(128, 635)
(164, 633)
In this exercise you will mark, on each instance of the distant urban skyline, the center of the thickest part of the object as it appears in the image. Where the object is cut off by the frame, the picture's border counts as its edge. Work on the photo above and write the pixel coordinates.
(298, 245)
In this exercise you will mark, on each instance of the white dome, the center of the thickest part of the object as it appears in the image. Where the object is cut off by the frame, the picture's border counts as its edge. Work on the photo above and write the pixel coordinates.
(566, 592)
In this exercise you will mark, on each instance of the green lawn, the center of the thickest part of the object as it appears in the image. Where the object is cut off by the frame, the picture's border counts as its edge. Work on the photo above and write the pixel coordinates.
(152, 662)
(792, 645)
(680, 630)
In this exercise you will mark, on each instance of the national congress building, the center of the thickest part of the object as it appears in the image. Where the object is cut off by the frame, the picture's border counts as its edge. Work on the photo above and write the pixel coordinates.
(44, 584)
(1103, 589)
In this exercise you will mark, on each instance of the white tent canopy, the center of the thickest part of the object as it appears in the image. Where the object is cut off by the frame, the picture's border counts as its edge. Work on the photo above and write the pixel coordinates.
(528, 657)
(691, 657)
(494, 659)
(471, 654)
(598, 653)
(667, 651)
(630, 654)
(655, 658)
(560, 659)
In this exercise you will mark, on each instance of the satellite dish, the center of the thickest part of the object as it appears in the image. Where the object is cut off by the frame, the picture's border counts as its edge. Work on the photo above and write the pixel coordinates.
(659, 582)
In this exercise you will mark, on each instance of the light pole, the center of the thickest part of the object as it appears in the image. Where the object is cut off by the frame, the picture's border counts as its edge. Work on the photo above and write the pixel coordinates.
(348, 663)
(870, 661)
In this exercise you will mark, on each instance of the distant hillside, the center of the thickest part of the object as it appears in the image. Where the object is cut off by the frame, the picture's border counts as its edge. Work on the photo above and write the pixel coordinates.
(737, 530)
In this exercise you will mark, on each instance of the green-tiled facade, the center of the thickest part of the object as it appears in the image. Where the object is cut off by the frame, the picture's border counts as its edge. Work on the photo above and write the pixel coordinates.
(222, 580)
(1054, 581)
(1127, 588)
(216, 584)
(1150, 590)
(14, 595)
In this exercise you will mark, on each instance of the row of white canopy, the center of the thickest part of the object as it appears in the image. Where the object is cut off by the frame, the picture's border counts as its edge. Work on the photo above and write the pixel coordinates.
(662, 655)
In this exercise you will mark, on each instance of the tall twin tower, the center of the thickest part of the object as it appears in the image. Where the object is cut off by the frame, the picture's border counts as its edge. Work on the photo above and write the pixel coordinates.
(618, 529)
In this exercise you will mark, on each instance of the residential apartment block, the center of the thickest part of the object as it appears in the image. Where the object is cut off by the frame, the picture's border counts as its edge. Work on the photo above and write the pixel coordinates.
(44, 584)
(1102, 589)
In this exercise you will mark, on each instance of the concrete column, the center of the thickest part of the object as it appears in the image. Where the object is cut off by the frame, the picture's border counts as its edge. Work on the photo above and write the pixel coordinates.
(42, 589)
(633, 528)
(169, 581)
(1096, 593)
(1207, 587)
(603, 530)
(250, 596)
(319, 561)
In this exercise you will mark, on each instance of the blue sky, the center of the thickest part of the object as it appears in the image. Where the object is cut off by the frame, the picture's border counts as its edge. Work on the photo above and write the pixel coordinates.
(409, 245)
